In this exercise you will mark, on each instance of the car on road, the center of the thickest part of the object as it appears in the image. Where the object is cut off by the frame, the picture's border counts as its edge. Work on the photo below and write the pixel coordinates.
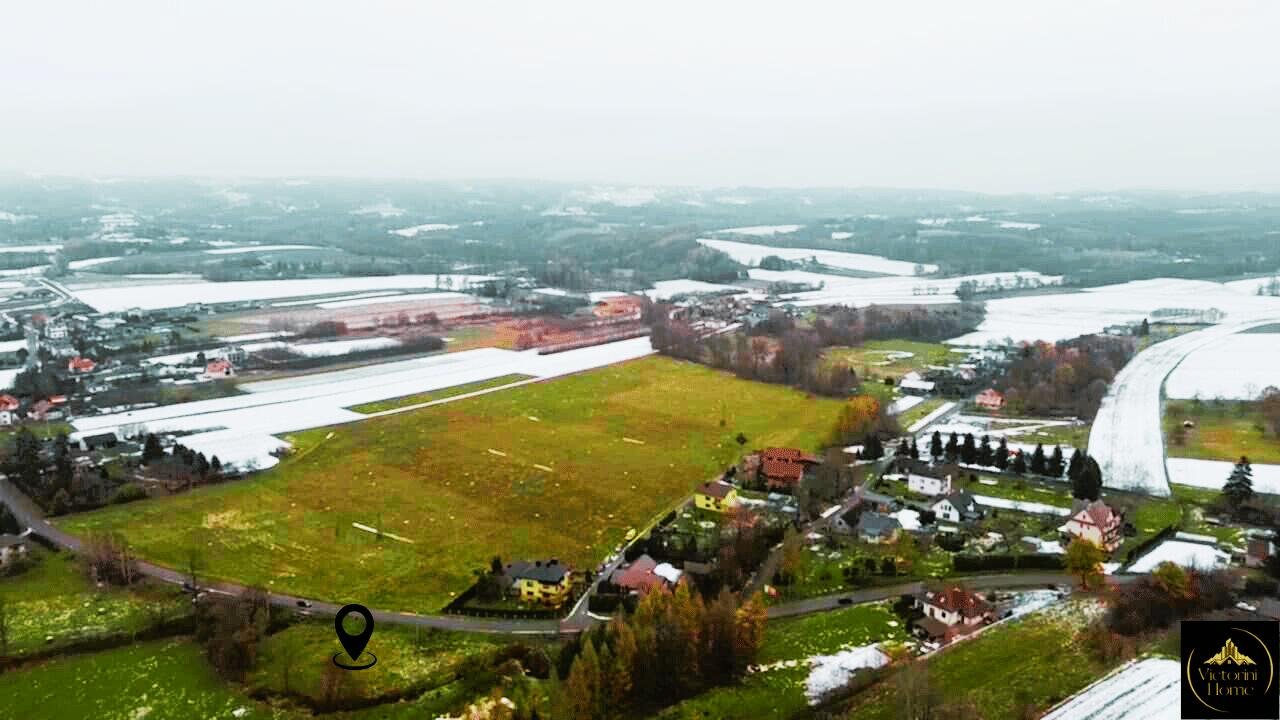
(845, 601)
(303, 604)
(187, 587)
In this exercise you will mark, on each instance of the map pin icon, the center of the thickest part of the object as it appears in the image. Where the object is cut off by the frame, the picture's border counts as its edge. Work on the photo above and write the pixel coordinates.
(353, 644)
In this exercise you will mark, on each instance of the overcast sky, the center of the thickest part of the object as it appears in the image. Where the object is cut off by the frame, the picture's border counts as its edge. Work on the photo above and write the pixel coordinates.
(995, 96)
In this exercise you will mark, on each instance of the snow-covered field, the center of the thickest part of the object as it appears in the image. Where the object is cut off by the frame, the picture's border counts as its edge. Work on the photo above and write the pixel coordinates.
(320, 399)
(832, 672)
(1068, 315)
(760, 230)
(664, 289)
(1034, 508)
(752, 254)
(1213, 474)
(259, 248)
(1126, 438)
(1238, 367)
(417, 230)
(52, 248)
(444, 297)
(343, 347)
(334, 298)
(7, 377)
(153, 297)
(90, 262)
(1180, 552)
(1147, 689)
(903, 404)
(861, 292)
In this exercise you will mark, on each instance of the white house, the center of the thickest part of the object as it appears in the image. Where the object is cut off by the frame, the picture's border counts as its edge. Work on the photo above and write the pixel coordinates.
(1097, 523)
(931, 480)
(957, 507)
(952, 612)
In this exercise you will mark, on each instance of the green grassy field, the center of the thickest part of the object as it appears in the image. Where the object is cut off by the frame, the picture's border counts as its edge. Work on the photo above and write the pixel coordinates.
(163, 680)
(407, 659)
(873, 358)
(1067, 436)
(1033, 661)
(779, 693)
(440, 394)
(432, 476)
(919, 412)
(1224, 430)
(53, 603)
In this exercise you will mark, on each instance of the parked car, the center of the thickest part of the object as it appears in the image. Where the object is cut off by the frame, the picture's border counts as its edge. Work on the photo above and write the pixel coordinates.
(304, 604)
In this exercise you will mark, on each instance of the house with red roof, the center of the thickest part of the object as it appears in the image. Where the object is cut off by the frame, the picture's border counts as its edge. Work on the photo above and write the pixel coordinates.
(991, 399)
(219, 369)
(9, 403)
(644, 575)
(80, 364)
(1097, 523)
(784, 468)
(952, 612)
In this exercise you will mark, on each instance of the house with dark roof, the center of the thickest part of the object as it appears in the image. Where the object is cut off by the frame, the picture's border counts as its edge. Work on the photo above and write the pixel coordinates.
(952, 612)
(98, 441)
(546, 582)
(1257, 551)
(715, 496)
(959, 506)
(874, 527)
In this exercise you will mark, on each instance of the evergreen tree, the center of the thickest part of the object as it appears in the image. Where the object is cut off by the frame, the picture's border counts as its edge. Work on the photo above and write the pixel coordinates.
(1087, 484)
(904, 449)
(1019, 464)
(935, 445)
(1073, 465)
(1055, 462)
(1239, 487)
(1001, 460)
(953, 448)
(985, 455)
(968, 451)
(151, 449)
(1037, 460)
(872, 449)
(915, 450)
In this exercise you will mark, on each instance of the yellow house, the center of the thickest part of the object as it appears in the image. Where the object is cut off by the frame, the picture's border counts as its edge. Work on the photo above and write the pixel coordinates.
(547, 583)
(715, 496)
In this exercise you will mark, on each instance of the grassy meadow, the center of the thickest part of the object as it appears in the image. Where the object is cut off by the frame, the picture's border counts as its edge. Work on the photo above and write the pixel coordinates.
(1223, 430)
(559, 469)
(441, 394)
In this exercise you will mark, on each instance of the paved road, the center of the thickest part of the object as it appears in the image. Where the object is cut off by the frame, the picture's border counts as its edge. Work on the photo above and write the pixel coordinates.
(1127, 439)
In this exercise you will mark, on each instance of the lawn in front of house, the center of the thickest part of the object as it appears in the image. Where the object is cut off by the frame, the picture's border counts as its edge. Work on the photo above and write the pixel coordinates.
(53, 603)
(553, 469)
(1222, 430)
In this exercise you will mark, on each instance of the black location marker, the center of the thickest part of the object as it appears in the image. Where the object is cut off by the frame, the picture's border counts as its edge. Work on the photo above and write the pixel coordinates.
(354, 644)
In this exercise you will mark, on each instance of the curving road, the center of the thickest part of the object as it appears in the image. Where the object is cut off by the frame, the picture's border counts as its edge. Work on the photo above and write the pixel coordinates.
(1127, 439)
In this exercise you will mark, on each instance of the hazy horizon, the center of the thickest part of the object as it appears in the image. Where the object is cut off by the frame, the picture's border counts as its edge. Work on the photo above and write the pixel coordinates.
(992, 97)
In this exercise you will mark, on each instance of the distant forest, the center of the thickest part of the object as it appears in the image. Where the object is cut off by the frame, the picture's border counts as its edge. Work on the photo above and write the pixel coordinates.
(585, 238)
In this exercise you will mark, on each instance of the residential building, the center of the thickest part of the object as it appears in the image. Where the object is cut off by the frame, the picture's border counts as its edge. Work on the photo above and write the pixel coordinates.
(990, 399)
(784, 468)
(545, 582)
(914, 384)
(931, 480)
(9, 403)
(715, 496)
(1097, 523)
(876, 528)
(1257, 552)
(959, 506)
(952, 612)
(98, 441)
(13, 547)
(846, 523)
(645, 574)
(219, 369)
(80, 364)
(56, 330)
